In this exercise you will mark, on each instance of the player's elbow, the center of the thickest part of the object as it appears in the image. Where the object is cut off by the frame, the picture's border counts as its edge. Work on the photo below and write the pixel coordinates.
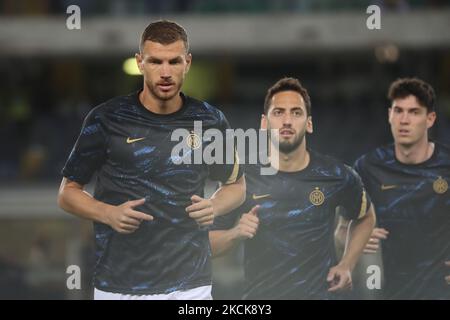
(64, 194)
(242, 188)
(61, 199)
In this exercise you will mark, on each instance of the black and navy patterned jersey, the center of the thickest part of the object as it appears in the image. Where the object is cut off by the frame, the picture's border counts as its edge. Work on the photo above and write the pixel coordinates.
(412, 202)
(130, 149)
(293, 249)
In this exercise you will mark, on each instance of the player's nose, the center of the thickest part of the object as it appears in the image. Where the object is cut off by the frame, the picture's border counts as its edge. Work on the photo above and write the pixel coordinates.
(287, 120)
(404, 118)
(165, 70)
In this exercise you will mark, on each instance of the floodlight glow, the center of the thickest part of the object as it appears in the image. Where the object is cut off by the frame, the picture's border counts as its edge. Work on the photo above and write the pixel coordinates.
(130, 67)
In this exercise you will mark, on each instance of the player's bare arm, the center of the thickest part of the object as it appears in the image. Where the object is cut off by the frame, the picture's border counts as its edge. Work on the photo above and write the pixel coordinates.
(339, 276)
(224, 240)
(123, 218)
(372, 246)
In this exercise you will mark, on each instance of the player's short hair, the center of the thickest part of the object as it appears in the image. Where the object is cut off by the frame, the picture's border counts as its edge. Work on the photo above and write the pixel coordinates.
(288, 84)
(164, 32)
(424, 92)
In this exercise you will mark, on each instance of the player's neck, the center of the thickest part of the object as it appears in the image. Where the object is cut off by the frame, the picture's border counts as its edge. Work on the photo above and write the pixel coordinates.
(155, 105)
(414, 154)
(297, 160)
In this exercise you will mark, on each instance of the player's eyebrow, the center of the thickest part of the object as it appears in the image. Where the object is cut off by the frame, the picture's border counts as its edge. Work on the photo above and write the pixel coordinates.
(153, 59)
(176, 59)
(291, 109)
(397, 107)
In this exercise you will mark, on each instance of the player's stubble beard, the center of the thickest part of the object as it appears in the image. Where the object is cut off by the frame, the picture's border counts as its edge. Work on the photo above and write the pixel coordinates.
(153, 88)
(287, 147)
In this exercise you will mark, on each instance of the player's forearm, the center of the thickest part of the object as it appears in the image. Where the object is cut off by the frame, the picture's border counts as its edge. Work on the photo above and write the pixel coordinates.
(360, 234)
(222, 241)
(340, 236)
(229, 197)
(82, 204)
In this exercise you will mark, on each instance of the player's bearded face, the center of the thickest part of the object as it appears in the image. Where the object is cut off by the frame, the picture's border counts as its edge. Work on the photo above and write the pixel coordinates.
(289, 116)
(289, 144)
(164, 68)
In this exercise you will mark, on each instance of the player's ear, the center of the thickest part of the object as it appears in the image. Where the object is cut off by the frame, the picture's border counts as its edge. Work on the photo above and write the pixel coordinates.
(389, 114)
(431, 118)
(309, 125)
(188, 62)
(139, 62)
(263, 124)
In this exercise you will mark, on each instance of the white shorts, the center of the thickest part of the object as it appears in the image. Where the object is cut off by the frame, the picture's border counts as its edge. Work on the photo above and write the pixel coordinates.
(199, 293)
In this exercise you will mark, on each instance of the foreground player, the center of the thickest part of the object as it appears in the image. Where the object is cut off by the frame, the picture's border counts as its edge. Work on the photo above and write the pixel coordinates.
(289, 224)
(408, 183)
(147, 210)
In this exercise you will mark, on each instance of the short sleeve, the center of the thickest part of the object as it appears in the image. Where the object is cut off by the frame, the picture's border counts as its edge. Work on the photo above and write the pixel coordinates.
(358, 166)
(228, 171)
(88, 153)
(354, 197)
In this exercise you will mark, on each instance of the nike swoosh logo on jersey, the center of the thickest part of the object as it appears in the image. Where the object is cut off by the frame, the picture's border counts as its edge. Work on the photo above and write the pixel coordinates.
(129, 140)
(255, 197)
(388, 187)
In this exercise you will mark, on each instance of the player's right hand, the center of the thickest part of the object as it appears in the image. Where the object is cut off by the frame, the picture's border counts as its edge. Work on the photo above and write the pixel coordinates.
(124, 219)
(248, 224)
(339, 278)
(373, 244)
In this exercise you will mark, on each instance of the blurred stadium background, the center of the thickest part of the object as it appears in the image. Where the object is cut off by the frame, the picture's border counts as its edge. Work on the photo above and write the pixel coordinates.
(51, 77)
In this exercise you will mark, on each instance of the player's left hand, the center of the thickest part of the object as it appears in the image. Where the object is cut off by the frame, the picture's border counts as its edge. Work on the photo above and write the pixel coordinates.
(447, 278)
(340, 278)
(201, 210)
